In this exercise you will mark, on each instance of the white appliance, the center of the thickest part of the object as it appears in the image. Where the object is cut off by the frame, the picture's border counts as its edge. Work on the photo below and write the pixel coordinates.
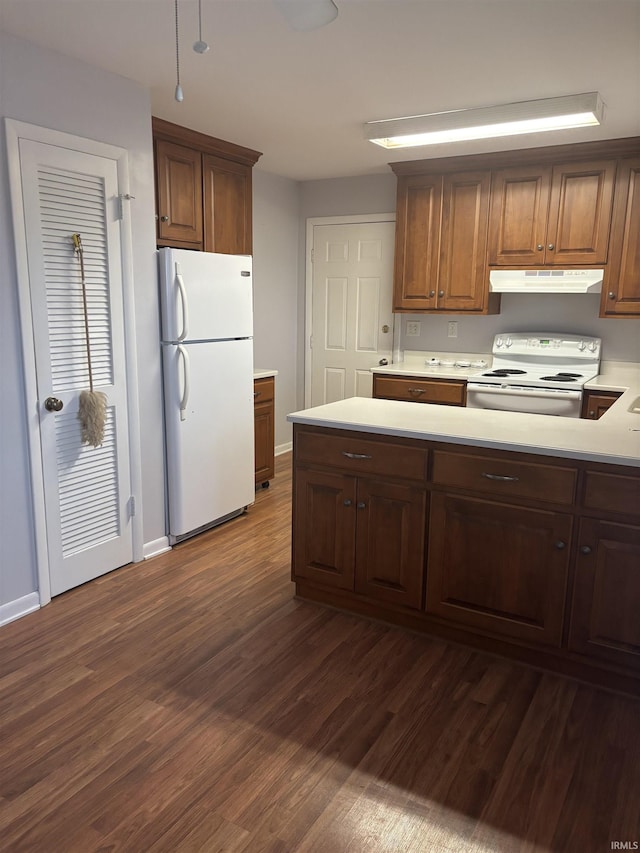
(207, 349)
(537, 373)
(546, 281)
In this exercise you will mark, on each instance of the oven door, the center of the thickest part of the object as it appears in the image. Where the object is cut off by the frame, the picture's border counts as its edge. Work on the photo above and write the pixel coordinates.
(518, 398)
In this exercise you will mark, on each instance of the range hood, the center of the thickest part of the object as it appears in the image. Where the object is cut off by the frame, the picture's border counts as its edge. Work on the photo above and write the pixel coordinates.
(545, 281)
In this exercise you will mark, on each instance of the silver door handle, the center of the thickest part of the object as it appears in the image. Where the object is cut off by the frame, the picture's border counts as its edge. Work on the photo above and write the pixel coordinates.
(503, 478)
(356, 455)
(53, 404)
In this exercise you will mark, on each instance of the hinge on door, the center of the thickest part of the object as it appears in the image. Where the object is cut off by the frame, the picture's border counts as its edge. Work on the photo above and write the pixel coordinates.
(132, 506)
(312, 256)
(310, 341)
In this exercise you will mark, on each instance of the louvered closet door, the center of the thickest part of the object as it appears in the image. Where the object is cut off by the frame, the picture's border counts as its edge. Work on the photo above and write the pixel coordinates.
(86, 489)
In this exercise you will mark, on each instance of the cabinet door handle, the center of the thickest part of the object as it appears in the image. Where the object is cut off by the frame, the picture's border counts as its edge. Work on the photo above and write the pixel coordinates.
(551, 247)
(503, 478)
(164, 219)
(257, 394)
(356, 455)
(585, 549)
(611, 294)
(560, 545)
(432, 293)
(416, 391)
(347, 502)
(539, 247)
(361, 505)
(441, 293)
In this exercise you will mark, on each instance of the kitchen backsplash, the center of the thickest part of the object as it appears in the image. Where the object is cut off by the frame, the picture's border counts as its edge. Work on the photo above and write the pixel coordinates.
(573, 314)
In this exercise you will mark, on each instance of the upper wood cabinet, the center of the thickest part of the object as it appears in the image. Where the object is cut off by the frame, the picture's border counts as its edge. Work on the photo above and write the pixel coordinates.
(441, 238)
(553, 215)
(621, 287)
(179, 193)
(203, 190)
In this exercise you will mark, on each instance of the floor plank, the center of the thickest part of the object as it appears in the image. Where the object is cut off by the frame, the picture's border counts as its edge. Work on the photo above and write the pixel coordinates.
(190, 703)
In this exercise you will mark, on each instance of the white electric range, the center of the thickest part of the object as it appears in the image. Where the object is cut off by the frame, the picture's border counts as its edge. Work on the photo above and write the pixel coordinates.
(537, 373)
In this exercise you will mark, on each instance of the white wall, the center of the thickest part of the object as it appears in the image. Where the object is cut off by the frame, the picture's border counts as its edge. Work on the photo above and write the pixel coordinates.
(276, 217)
(48, 89)
(574, 314)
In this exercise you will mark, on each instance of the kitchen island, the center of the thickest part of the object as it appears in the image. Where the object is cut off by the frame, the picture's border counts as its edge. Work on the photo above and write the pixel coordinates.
(518, 534)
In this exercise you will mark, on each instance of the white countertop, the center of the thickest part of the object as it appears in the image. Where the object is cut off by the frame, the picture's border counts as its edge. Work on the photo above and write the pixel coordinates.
(414, 364)
(263, 373)
(614, 438)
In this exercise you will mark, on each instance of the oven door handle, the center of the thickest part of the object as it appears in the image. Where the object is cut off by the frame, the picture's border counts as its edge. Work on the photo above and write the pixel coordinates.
(519, 391)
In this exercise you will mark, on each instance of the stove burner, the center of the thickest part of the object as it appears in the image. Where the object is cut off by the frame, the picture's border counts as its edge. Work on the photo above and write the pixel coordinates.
(503, 371)
(571, 375)
(560, 377)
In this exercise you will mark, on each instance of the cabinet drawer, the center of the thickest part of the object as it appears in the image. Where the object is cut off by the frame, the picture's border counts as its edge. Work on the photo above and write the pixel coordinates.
(263, 390)
(612, 493)
(448, 393)
(362, 456)
(500, 477)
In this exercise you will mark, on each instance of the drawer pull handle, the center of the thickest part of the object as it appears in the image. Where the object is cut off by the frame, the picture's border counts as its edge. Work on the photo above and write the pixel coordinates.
(356, 455)
(503, 478)
(361, 505)
(347, 502)
(560, 545)
(416, 391)
(585, 549)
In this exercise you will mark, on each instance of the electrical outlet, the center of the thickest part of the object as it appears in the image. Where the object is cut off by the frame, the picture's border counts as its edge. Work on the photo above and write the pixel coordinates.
(452, 329)
(413, 329)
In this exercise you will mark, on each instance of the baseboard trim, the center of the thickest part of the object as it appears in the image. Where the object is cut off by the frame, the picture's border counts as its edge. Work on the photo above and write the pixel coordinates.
(19, 607)
(155, 548)
(284, 448)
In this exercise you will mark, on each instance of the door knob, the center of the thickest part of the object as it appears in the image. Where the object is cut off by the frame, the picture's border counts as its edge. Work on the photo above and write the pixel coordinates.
(52, 404)
(385, 329)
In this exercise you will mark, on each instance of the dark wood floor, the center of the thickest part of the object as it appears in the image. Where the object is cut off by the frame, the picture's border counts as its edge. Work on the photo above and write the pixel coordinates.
(191, 704)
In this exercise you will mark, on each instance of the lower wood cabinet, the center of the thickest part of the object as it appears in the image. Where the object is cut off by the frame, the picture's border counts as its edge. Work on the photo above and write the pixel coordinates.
(264, 429)
(595, 404)
(447, 392)
(605, 615)
(498, 568)
(366, 535)
(527, 556)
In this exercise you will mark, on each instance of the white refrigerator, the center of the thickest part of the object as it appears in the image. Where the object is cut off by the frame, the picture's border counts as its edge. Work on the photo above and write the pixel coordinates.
(207, 356)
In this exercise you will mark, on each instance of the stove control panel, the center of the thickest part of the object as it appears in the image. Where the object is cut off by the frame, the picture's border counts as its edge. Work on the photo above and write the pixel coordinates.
(553, 345)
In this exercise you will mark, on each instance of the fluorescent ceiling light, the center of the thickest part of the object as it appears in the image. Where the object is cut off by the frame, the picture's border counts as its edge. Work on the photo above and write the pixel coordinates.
(486, 122)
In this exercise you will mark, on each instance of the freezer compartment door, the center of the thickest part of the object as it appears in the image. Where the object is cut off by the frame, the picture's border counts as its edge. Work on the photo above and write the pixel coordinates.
(209, 431)
(205, 296)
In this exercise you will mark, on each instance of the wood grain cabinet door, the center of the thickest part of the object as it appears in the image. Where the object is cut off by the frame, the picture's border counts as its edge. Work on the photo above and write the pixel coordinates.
(605, 617)
(179, 194)
(227, 206)
(580, 213)
(462, 274)
(518, 219)
(498, 568)
(621, 290)
(390, 542)
(419, 208)
(264, 429)
(324, 528)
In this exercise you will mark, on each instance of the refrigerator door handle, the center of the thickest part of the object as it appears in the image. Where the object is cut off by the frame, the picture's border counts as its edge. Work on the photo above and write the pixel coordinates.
(185, 373)
(183, 301)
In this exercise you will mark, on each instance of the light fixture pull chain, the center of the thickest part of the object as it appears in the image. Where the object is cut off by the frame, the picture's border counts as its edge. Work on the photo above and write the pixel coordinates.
(178, 95)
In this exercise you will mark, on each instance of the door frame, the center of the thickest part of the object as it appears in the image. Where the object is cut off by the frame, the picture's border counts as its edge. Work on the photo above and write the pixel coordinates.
(15, 131)
(356, 219)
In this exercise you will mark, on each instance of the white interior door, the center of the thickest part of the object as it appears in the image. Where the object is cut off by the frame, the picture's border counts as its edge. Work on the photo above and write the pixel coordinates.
(352, 321)
(86, 490)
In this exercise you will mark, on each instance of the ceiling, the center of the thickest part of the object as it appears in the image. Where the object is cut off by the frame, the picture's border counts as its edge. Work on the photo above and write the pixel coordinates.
(302, 97)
